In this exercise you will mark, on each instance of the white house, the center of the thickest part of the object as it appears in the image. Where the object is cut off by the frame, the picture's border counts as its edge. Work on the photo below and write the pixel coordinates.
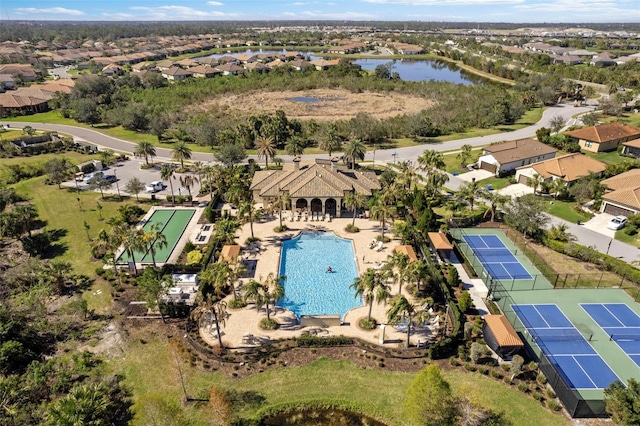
(505, 157)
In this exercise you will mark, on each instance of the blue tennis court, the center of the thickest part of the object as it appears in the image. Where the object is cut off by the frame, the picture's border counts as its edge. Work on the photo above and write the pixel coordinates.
(498, 260)
(621, 324)
(567, 349)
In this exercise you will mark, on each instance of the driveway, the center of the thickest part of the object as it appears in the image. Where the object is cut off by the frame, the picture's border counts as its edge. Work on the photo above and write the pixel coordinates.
(478, 175)
(516, 190)
(598, 223)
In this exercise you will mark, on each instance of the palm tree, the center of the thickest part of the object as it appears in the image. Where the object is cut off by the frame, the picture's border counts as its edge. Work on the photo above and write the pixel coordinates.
(181, 152)
(536, 182)
(25, 215)
(106, 244)
(465, 154)
(274, 290)
(371, 286)
(557, 187)
(294, 146)
(354, 201)
(87, 404)
(281, 203)
(226, 230)
(248, 214)
(468, 192)
(107, 157)
(418, 271)
(166, 173)
(496, 201)
(254, 290)
(266, 148)
(154, 239)
(354, 150)
(432, 165)
(145, 149)
(330, 139)
(210, 307)
(57, 273)
(430, 161)
(215, 279)
(383, 206)
(402, 308)
(397, 268)
(188, 181)
(131, 239)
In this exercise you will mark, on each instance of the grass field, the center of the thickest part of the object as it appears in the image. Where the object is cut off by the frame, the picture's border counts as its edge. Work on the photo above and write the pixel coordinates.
(608, 157)
(496, 182)
(151, 372)
(565, 210)
(38, 160)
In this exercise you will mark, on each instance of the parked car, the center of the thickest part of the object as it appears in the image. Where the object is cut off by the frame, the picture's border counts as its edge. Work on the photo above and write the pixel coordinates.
(154, 186)
(111, 178)
(87, 178)
(617, 222)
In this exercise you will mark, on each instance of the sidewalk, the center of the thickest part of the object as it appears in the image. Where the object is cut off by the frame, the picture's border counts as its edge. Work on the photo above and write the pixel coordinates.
(476, 288)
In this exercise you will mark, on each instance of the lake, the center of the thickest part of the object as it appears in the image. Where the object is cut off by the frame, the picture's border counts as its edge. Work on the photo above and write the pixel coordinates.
(409, 70)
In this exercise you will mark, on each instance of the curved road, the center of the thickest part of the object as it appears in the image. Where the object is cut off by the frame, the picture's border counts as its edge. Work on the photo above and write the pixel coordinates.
(382, 155)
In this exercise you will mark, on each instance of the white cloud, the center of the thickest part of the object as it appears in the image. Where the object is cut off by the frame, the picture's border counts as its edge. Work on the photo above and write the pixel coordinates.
(594, 11)
(354, 16)
(179, 13)
(215, 3)
(50, 10)
(298, 3)
(119, 16)
(444, 2)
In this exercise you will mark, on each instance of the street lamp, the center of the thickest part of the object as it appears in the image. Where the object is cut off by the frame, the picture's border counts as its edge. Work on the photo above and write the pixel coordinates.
(394, 155)
(609, 246)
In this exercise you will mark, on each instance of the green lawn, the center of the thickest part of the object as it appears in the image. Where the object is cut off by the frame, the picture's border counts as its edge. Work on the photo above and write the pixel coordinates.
(452, 162)
(61, 211)
(151, 373)
(36, 160)
(496, 182)
(611, 157)
(565, 210)
(629, 239)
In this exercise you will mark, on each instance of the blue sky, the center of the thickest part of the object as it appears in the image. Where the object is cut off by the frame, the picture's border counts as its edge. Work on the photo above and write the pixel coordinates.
(534, 11)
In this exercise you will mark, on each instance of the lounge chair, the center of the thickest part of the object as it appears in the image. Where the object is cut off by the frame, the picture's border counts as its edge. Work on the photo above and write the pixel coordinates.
(327, 217)
(380, 246)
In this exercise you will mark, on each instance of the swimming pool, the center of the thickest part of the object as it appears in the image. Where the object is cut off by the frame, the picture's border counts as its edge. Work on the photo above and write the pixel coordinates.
(309, 288)
(173, 223)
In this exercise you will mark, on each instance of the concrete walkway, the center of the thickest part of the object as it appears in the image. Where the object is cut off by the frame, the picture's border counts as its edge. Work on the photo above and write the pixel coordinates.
(475, 286)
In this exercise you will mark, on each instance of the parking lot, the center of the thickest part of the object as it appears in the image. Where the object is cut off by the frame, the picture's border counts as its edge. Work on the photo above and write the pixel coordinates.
(126, 170)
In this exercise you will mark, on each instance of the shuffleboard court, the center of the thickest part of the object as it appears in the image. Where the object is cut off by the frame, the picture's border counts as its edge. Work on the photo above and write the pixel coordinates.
(173, 222)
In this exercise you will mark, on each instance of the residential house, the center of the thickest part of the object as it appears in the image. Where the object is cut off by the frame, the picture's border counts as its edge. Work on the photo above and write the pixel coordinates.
(604, 137)
(568, 168)
(230, 68)
(6, 82)
(26, 72)
(13, 103)
(631, 148)
(112, 69)
(318, 186)
(623, 194)
(604, 59)
(204, 71)
(176, 74)
(257, 67)
(505, 157)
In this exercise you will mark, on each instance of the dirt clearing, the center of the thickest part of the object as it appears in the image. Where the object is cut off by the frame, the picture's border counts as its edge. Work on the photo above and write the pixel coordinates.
(320, 104)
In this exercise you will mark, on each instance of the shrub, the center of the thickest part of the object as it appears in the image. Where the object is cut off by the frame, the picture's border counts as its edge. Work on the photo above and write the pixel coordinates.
(551, 393)
(554, 405)
(367, 323)
(351, 228)
(537, 396)
(308, 340)
(483, 370)
(469, 367)
(194, 257)
(522, 387)
(282, 228)
(496, 374)
(189, 247)
(464, 301)
(236, 303)
(516, 365)
(477, 351)
(541, 378)
(268, 324)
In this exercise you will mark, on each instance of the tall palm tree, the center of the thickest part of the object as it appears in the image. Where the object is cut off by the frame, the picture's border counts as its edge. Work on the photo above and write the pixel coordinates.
(166, 173)
(400, 309)
(354, 201)
(25, 215)
(496, 201)
(535, 181)
(354, 150)
(294, 146)
(330, 139)
(146, 150)
(56, 273)
(214, 308)
(397, 268)
(465, 154)
(265, 146)
(181, 152)
(105, 245)
(371, 287)
(274, 290)
(225, 230)
(247, 213)
(188, 181)
(432, 164)
(468, 192)
(107, 157)
(383, 206)
(418, 271)
(281, 203)
(254, 290)
(131, 239)
(215, 279)
(557, 187)
(154, 239)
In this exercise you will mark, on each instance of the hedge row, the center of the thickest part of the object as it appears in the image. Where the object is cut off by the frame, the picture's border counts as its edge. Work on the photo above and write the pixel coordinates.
(587, 254)
(308, 340)
(447, 346)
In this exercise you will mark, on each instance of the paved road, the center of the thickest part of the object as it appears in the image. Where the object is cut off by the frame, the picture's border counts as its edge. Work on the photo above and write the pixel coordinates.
(600, 242)
(381, 155)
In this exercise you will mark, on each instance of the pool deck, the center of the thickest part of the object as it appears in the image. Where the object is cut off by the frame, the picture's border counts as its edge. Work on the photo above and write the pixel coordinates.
(241, 327)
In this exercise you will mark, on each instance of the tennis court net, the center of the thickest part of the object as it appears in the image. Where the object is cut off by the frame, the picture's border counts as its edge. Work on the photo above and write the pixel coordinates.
(495, 253)
(556, 335)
